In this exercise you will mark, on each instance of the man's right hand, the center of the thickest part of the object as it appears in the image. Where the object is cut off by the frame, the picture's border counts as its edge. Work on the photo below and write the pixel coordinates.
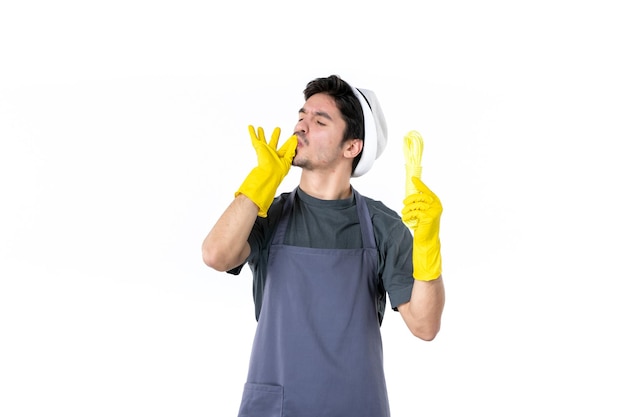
(422, 214)
(273, 165)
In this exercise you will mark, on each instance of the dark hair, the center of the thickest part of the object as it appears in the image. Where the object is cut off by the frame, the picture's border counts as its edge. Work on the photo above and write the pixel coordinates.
(347, 102)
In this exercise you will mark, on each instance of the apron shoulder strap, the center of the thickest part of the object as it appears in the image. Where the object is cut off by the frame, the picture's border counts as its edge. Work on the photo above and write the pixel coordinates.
(367, 229)
(281, 229)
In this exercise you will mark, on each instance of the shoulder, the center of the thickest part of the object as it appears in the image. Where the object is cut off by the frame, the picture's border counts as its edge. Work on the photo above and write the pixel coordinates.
(387, 222)
(380, 212)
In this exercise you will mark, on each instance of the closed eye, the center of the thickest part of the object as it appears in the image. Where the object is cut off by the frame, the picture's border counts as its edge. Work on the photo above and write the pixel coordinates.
(318, 114)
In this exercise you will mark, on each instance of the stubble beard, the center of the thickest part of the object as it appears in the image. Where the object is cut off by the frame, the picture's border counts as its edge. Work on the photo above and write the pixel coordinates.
(300, 162)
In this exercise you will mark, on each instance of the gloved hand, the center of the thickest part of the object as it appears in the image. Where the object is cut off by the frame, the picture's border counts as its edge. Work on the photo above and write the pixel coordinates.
(262, 182)
(422, 213)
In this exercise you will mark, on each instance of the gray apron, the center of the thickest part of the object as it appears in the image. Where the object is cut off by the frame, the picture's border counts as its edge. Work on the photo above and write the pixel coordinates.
(317, 351)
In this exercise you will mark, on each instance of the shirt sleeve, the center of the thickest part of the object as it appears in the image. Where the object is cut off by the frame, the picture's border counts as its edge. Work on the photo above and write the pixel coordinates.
(395, 249)
(256, 242)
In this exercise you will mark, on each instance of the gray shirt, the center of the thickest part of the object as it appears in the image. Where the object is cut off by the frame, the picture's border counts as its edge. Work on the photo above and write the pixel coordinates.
(334, 224)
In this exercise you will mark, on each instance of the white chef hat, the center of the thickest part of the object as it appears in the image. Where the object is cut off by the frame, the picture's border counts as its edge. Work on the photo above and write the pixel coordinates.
(375, 139)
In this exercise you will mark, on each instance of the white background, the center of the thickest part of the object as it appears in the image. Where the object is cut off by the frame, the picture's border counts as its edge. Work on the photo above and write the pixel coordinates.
(123, 128)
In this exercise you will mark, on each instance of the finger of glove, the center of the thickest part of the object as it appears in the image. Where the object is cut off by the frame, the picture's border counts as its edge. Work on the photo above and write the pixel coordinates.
(420, 217)
(422, 187)
(424, 209)
(256, 138)
(288, 149)
(423, 190)
(251, 131)
(264, 152)
(411, 221)
(418, 198)
(416, 207)
(410, 218)
(261, 135)
(274, 139)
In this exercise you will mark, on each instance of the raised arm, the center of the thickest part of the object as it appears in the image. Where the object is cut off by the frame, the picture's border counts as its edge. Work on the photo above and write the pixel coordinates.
(226, 245)
(422, 314)
(422, 212)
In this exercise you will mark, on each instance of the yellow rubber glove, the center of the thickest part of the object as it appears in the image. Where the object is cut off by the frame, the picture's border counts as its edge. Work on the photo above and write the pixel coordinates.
(421, 213)
(262, 182)
(423, 209)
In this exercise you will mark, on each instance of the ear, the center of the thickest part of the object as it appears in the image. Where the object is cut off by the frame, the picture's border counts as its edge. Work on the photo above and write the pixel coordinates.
(352, 148)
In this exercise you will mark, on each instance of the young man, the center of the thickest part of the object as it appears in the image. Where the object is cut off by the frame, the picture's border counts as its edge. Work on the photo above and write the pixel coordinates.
(324, 259)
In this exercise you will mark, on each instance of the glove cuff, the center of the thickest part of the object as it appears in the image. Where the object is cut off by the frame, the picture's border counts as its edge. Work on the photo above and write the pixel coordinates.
(260, 188)
(427, 262)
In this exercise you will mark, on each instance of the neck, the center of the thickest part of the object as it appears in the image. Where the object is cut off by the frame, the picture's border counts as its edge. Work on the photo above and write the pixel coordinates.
(325, 187)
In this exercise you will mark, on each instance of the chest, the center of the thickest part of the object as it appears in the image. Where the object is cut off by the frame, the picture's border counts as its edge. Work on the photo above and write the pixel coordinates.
(313, 227)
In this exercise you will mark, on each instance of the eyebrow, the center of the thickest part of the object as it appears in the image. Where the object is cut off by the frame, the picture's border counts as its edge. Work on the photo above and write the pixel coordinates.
(317, 113)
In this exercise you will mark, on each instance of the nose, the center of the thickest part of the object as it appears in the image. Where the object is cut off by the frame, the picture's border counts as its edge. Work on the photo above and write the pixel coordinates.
(301, 127)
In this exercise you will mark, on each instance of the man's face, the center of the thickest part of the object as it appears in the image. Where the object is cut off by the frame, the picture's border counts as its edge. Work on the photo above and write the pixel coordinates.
(320, 130)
